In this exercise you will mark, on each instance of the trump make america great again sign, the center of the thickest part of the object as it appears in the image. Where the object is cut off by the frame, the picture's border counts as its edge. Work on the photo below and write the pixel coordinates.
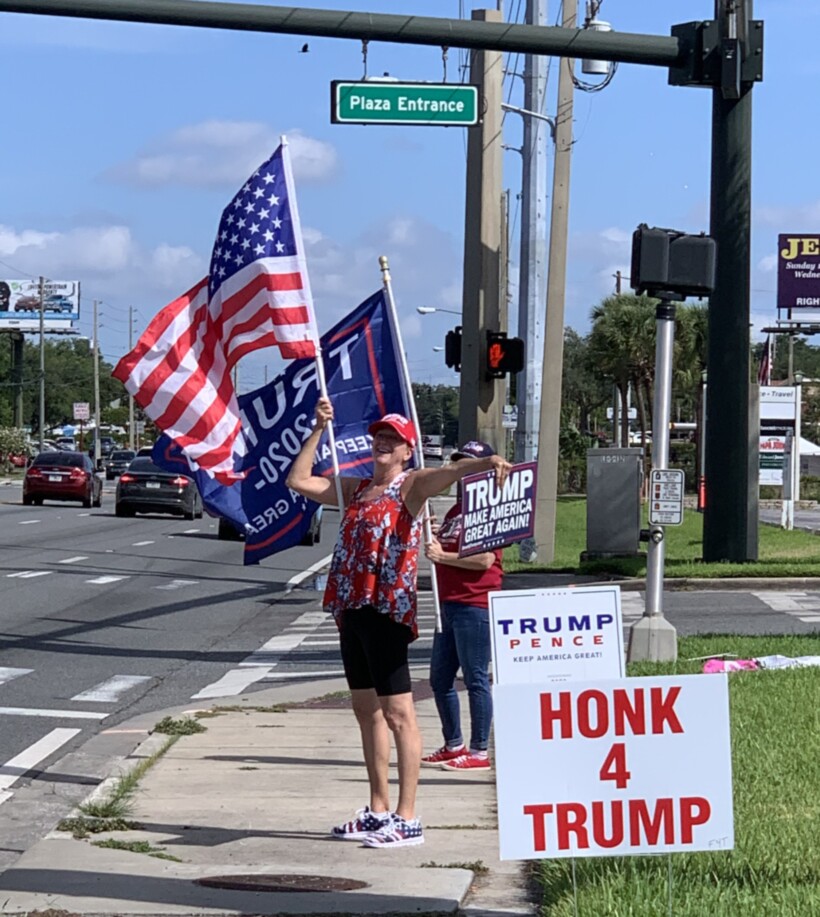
(497, 516)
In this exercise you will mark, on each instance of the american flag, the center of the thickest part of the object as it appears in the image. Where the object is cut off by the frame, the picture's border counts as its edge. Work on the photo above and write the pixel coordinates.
(764, 370)
(257, 294)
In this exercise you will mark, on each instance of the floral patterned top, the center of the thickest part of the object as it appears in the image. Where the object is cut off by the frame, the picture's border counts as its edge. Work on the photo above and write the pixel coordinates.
(376, 558)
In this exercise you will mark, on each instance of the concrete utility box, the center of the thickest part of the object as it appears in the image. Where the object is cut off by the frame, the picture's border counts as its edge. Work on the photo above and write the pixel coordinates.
(614, 480)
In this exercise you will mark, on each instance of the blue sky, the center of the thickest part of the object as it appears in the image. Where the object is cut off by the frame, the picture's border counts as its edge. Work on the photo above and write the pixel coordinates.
(123, 142)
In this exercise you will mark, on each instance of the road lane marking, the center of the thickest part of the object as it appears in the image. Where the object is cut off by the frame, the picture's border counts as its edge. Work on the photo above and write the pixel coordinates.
(326, 674)
(30, 757)
(109, 691)
(233, 682)
(104, 580)
(7, 674)
(53, 714)
(28, 574)
(178, 584)
(30, 521)
(191, 531)
(294, 581)
(141, 544)
(73, 560)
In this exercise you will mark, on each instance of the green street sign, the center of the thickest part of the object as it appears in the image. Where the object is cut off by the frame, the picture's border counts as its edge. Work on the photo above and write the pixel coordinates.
(377, 102)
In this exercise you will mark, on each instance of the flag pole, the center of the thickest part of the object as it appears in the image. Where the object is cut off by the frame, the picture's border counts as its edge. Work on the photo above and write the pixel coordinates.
(320, 366)
(411, 401)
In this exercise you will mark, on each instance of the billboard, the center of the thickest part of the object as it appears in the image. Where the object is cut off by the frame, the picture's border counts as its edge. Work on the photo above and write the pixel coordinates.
(798, 271)
(20, 304)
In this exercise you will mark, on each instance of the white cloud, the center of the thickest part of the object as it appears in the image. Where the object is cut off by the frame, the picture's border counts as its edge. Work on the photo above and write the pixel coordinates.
(217, 154)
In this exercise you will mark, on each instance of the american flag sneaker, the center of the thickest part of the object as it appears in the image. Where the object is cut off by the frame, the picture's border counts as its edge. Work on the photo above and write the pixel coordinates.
(365, 823)
(396, 833)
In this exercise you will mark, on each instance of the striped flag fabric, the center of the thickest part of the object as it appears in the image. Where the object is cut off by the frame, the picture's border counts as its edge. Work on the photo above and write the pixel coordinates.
(257, 294)
(764, 370)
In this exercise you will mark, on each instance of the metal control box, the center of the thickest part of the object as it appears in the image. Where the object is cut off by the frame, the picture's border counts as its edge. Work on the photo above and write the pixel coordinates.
(614, 481)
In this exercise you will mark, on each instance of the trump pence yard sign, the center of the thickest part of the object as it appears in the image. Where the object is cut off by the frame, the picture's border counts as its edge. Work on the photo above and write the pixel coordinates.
(544, 635)
(611, 768)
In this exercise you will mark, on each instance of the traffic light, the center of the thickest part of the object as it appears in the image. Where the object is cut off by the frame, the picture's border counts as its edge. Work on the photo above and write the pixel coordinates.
(504, 354)
(452, 349)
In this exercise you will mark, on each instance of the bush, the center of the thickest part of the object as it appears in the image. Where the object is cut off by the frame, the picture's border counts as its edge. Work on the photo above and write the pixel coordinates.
(13, 441)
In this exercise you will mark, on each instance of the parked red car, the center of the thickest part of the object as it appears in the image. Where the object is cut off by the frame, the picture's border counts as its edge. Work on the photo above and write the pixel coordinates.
(62, 476)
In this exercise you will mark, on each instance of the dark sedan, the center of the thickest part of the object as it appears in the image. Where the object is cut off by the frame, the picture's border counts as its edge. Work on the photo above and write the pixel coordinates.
(62, 476)
(146, 488)
(117, 462)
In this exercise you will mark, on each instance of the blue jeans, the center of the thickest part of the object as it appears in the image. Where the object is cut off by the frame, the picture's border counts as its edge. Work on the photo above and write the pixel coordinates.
(464, 641)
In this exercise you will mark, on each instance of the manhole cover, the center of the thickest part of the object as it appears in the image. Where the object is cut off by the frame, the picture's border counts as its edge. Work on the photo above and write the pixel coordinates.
(281, 883)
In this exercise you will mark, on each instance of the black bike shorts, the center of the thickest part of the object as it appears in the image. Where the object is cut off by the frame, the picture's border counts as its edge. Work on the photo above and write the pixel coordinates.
(374, 651)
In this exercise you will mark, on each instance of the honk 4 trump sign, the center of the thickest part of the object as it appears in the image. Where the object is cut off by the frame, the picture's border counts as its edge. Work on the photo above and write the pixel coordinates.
(606, 768)
(543, 635)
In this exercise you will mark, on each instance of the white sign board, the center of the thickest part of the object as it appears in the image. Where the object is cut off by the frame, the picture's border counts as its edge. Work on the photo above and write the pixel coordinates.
(613, 768)
(81, 410)
(777, 402)
(551, 635)
(666, 496)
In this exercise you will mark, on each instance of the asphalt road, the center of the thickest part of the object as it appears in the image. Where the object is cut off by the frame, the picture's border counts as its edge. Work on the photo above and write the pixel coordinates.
(103, 620)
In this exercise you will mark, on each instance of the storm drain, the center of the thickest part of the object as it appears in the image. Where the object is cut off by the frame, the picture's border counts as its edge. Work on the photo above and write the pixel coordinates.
(281, 883)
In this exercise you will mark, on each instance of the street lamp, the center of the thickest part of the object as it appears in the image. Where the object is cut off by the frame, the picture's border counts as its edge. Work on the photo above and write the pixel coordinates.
(437, 349)
(426, 310)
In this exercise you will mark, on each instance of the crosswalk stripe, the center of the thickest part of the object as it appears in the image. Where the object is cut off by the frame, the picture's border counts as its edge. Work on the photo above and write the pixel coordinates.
(73, 560)
(52, 714)
(233, 682)
(178, 584)
(106, 692)
(29, 758)
(28, 574)
(7, 674)
(104, 580)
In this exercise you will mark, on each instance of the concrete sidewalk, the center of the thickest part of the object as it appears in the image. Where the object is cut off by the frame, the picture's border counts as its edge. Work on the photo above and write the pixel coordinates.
(246, 807)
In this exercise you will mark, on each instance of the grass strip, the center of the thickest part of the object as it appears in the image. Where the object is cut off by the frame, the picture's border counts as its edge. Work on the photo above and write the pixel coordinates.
(773, 870)
(781, 553)
(136, 847)
(119, 803)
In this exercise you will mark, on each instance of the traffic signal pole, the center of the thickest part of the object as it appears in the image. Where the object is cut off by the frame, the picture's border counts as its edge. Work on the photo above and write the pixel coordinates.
(725, 54)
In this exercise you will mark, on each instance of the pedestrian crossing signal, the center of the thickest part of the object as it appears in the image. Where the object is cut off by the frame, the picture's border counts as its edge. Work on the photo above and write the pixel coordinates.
(504, 354)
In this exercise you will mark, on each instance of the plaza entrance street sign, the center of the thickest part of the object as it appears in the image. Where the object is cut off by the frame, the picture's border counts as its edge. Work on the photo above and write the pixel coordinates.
(376, 102)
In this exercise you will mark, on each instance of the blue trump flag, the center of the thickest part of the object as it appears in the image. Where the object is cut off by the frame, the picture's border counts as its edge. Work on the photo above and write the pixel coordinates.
(364, 381)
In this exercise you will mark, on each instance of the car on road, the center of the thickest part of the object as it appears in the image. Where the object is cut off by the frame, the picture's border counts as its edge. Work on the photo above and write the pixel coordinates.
(107, 446)
(62, 476)
(66, 443)
(117, 462)
(146, 488)
(58, 303)
(227, 531)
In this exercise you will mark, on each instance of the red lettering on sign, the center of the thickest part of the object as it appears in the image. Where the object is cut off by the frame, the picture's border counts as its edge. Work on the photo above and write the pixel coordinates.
(557, 641)
(614, 766)
(694, 810)
(641, 819)
(628, 710)
(662, 709)
(563, 714)
(614, 823)
(587, 700)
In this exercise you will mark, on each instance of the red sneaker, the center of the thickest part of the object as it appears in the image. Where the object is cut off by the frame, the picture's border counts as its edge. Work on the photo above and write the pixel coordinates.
(442, 755)
(466, 762)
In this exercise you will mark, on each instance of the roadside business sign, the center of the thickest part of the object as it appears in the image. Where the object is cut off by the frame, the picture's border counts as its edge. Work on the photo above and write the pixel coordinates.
(556, 635)
(798, 271)
(81, 410)
(496, 516)
(20, 303)
(613, 768)
(377, 102)
(666, 496)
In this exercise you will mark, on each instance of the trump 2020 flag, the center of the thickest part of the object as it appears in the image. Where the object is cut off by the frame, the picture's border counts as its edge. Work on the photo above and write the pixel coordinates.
(257, 294)
(363, 373)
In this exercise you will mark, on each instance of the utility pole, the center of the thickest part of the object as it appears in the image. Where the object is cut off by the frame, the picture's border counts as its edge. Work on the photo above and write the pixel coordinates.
(17, 348)
(97, 450)
(552, 365)
(41, 291)
(532, 291)
(482, 398)
(131, 437)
